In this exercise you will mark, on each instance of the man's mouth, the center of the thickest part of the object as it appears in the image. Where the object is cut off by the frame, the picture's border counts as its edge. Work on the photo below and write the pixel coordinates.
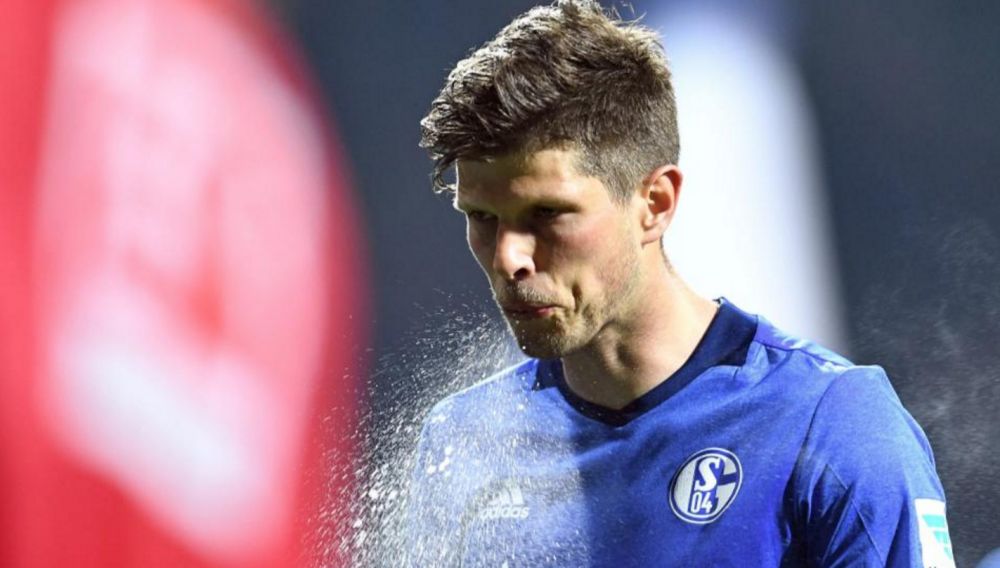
(528, 311)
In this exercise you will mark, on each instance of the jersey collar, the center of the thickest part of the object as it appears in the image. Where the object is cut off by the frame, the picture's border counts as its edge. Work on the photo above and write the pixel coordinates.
(725, 342)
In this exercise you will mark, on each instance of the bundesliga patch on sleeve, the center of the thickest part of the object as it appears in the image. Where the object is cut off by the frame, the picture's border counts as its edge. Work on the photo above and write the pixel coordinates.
(935, 544)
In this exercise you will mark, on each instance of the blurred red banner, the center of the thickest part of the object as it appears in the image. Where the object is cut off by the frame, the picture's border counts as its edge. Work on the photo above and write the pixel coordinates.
(181, 282)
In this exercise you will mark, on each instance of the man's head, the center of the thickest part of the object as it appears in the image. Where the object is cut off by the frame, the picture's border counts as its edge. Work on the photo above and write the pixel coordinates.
(561, 75)
(563, 131)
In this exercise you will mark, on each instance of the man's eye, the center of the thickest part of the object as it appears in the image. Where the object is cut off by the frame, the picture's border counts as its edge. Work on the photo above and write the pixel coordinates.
(480, 216)
(547, 212)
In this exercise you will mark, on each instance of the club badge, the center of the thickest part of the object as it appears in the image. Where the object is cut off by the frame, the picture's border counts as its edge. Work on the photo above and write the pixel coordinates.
(705, 486)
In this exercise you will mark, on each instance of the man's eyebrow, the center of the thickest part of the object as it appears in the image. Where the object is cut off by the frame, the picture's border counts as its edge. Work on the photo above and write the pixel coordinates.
(461, 206)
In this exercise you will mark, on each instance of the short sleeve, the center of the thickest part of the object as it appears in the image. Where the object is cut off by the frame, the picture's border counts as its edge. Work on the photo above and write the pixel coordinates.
(865, 488)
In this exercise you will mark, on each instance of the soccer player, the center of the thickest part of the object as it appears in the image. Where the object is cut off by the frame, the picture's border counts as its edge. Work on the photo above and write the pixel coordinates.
(650, 426)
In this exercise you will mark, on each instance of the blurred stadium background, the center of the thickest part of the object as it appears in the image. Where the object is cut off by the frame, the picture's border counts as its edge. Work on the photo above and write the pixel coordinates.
(215, 220)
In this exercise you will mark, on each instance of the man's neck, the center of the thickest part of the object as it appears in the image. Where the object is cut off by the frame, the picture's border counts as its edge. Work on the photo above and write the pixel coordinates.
(629, 358)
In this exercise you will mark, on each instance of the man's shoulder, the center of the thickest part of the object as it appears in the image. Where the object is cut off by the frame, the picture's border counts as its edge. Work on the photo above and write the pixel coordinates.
(779, 341)
(802, 371)
(856, 419)
(763, 350)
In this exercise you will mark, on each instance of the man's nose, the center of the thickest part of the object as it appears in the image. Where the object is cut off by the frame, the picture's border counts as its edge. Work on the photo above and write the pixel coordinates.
(513, 259)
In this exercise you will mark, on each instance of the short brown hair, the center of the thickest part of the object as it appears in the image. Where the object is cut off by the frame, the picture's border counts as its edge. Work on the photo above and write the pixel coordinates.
(566, 75)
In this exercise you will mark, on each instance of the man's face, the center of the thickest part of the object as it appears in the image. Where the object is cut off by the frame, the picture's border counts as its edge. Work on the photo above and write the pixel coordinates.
(561, 255)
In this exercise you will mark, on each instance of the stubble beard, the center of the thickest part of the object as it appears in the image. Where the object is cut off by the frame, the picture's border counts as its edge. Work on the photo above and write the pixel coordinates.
(544, 340)
(566, 332)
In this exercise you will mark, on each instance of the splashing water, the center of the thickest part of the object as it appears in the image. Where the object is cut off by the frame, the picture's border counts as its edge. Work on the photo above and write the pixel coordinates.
(363, 526)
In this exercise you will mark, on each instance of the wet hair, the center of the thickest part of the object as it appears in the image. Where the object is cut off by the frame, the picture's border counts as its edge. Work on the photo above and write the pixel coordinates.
(568, 76)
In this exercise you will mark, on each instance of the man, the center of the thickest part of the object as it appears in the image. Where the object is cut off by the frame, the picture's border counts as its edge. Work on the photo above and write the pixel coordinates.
(651, 426)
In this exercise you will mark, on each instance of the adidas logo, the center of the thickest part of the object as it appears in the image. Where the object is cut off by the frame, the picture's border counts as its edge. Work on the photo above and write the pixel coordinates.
(935, 543)
(506, 503)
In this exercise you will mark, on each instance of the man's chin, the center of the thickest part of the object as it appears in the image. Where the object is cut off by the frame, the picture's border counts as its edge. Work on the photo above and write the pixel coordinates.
(551, 345)
(538, 351)
(544, 338)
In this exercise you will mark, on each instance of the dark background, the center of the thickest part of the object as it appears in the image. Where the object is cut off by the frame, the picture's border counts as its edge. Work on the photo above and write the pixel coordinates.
(906, 95)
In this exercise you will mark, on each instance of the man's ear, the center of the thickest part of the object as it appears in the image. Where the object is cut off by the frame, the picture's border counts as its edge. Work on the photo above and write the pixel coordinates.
(658, 201)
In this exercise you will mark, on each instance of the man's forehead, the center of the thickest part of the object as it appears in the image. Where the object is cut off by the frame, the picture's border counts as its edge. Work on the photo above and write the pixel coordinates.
(552, 169)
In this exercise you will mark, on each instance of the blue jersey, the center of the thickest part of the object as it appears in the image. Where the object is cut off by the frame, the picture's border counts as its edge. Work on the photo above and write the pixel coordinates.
(761, 450)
